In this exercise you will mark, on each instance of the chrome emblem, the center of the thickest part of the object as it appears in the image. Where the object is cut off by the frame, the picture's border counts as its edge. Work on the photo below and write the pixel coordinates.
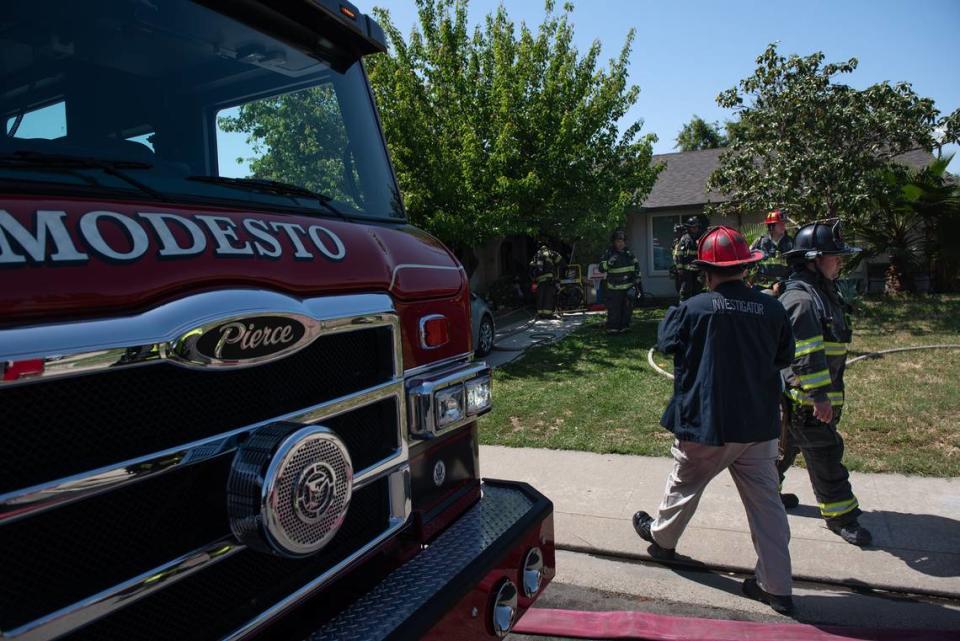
(248, 338)
(244, 341)
(315, 492)
(439, 473)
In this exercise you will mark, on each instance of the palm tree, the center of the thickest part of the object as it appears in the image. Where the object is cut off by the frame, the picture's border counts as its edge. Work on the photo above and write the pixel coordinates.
(912, 224)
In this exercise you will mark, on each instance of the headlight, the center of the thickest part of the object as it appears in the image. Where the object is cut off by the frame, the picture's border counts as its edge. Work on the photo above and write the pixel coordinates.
(450, 405)
(447, 399)
(478, 395)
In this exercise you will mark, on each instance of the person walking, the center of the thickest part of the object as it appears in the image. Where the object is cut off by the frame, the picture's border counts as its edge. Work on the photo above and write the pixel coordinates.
(815, 377)
(772, 270)
(623, 274)
(685, 257)
(724, 411)
(544, 269)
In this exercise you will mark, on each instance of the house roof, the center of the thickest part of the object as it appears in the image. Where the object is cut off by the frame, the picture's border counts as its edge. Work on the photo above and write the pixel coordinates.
(684, 178)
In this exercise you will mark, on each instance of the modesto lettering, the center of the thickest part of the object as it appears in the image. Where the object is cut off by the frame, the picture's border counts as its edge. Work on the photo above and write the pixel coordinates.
(49, 239)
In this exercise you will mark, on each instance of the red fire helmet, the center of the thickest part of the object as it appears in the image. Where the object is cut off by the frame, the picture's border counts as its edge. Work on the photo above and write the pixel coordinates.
(775, 216)
(725, 247)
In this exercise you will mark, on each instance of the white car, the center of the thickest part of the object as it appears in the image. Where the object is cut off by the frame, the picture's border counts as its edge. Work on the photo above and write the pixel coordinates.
(481, 321)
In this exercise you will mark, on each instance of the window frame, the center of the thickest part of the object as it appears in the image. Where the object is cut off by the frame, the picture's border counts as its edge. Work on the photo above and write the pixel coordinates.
(650, 238)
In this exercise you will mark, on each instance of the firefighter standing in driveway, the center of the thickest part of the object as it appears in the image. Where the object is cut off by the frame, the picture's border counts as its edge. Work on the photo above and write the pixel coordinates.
(774, 244)
(815, 378)
(544, 269)
(623, 274)
(684, 257)
(725, 410)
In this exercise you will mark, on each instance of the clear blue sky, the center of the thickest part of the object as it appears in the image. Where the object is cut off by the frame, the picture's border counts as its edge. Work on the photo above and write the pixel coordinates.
(687, 51)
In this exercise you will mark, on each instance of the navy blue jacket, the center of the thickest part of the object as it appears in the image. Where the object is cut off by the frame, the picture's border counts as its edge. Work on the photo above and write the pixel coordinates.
(728, 348)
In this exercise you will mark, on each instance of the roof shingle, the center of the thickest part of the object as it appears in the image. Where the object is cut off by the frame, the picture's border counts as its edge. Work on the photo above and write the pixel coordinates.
(684, 179)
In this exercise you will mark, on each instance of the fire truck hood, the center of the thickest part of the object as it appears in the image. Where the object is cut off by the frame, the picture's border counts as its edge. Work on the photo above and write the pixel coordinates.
(60, 257)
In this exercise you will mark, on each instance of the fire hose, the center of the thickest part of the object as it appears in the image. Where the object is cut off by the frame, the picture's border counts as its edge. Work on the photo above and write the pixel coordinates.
(658, 627)
(870, 355)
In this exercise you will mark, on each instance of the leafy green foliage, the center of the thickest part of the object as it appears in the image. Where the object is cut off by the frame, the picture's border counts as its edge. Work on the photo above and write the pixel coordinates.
(818, 148)
(732, 128)
(913, 223)
(752, 232)
(850, 292)
(500, 130)
(700, 134)
(297, 138)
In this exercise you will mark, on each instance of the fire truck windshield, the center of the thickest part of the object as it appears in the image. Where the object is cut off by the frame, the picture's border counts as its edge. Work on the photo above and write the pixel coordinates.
(145, 100)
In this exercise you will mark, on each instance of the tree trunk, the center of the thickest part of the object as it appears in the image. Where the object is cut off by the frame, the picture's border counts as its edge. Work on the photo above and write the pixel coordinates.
(899, 280)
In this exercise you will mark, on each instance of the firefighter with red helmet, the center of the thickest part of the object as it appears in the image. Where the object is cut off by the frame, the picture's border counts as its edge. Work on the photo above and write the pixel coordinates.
(623, 274)
(815, 378)
(774, 244)
(724, 412)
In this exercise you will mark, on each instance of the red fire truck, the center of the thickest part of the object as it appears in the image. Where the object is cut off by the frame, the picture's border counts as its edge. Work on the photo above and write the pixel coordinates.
(238, 398)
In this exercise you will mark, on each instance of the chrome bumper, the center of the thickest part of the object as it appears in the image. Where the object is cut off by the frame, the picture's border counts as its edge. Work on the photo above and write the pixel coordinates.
(482, 544)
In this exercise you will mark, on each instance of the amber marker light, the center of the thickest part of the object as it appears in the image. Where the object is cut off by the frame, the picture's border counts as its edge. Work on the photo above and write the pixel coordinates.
(434, 331)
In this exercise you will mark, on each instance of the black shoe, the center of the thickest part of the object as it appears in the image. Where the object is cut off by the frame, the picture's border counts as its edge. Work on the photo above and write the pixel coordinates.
(789, 501)
(641, 523)
(853, 533)
(780, 604)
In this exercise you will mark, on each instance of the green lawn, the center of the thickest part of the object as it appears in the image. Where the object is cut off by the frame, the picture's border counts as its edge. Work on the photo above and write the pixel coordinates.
(596, 392)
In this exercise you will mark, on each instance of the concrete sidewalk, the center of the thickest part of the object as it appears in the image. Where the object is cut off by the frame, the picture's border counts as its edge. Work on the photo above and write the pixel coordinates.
(915, 521)
(513, 339)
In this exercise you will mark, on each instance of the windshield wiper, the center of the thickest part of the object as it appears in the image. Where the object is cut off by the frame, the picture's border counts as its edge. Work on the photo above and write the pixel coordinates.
(268, 186)
(38, 160)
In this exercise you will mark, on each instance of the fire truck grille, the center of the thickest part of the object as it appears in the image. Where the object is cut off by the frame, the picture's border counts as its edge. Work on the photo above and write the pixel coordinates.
(60, 427)
(66, 554)
(212, 603)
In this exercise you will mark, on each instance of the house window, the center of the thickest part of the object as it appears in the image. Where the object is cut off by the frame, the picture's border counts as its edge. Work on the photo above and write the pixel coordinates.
(661, 241)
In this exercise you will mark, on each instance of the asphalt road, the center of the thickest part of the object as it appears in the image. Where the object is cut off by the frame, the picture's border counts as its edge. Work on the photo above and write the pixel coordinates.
(591, 583)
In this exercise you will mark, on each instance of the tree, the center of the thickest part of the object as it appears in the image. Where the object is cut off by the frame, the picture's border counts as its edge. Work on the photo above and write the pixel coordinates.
(913, 224)
(732, 128)
(503, 131)
(700, 134)
(276, 130)
(818, 148)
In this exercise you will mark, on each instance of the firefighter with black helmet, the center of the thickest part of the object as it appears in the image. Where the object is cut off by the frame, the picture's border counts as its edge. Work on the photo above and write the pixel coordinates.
(623, 274)
(684, 256)
(544, 270)
(774, 245)
(815, 378)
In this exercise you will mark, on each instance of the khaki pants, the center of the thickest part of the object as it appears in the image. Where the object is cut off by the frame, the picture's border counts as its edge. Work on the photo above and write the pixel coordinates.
(753, 468)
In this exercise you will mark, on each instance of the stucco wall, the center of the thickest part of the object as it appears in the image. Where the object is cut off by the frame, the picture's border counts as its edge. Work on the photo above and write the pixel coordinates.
(640, 230)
